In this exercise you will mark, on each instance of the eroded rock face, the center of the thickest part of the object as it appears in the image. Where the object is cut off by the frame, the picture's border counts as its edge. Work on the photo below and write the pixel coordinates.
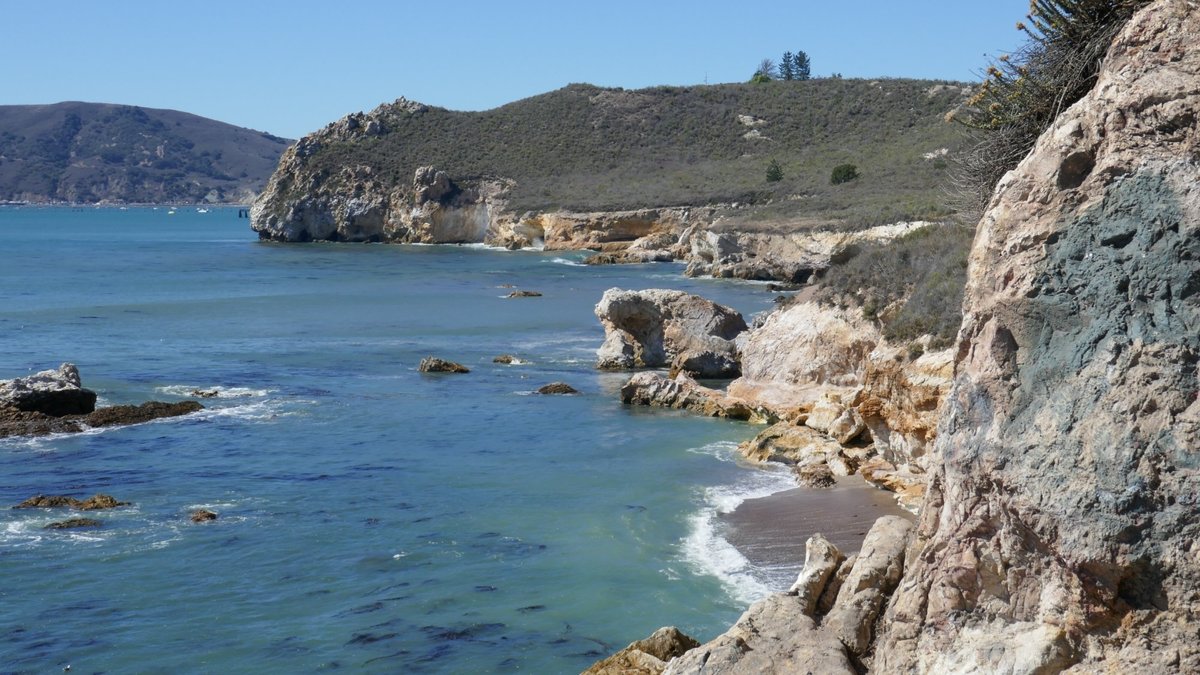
(50, 392)
(803, 352)
(1061, 529)
(684, 393)
(655, 328)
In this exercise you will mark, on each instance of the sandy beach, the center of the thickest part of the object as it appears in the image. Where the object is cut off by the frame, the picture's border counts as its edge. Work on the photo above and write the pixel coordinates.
(771, 531)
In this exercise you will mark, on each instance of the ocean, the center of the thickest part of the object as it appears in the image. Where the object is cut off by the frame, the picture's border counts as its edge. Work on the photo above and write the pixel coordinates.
(371, 518)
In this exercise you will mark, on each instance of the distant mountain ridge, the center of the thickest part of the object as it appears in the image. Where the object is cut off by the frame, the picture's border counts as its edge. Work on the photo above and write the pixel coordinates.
(101, 152)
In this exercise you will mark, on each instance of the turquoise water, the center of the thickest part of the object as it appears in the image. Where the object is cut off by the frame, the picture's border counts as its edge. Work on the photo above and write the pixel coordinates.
(372, 519)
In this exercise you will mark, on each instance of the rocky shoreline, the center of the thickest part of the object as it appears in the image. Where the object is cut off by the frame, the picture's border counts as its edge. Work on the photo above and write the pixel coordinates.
(1057, 531)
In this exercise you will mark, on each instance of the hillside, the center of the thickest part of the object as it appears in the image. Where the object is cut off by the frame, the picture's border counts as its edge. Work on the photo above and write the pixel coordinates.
(586, 148)
(93, 152)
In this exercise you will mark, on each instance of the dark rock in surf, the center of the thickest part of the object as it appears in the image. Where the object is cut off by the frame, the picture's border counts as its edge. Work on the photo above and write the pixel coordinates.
(73, 523)
(203, 516)
(524, 294)
(432, 364)
(557, 388)
(136, 414)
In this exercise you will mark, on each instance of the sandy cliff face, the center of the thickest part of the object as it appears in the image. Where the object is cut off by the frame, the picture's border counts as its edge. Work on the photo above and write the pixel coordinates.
(1061, 529)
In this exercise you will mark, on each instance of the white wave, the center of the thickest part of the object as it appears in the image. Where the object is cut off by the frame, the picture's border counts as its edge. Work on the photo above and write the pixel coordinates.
(564, 261)
(187, 390)
(255, 412)
(705, 548)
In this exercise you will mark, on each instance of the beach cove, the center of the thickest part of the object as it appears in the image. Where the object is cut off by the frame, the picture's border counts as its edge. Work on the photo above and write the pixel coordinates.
(369, 516)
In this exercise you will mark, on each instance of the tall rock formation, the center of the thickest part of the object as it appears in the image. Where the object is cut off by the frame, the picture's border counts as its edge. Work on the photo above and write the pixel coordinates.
(1060, 531)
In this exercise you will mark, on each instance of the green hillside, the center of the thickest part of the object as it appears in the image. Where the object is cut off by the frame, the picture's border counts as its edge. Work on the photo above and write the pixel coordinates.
(589, 148)
(91, 152)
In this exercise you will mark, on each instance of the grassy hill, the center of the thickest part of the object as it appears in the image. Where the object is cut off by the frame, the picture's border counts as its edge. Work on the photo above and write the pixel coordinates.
(91, 152)
(590, 148)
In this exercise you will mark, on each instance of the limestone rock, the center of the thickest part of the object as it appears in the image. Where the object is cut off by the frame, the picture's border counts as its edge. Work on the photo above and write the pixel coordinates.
(900, 401)
(792, 256)
(557, 388)
(791, 444)
(773, 636)
(1060, 528)
(646, 657)
(834, 585)
(803, 353)
(51, 392)
(870, 582)
(821, 561)
(432, 364)
(648, 329)
(815, 475)
(684, 393)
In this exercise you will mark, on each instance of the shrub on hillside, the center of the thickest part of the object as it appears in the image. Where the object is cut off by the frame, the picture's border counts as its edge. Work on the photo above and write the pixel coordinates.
(843, 173)
(912, 286)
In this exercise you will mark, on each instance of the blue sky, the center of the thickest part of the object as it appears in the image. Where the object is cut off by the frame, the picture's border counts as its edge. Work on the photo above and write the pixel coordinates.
(291, 67)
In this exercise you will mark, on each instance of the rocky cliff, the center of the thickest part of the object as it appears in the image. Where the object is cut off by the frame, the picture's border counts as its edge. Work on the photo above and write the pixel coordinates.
(660, 174)
(1060, 530)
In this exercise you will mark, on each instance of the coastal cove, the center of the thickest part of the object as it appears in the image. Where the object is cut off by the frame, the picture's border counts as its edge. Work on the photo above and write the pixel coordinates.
(370, 516)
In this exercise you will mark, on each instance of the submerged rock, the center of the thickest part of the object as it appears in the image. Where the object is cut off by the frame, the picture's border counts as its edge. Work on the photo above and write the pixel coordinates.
(557, 388)
(524, 294)
(432, 364)
(51, 392)
(73, 523)
(93, 503)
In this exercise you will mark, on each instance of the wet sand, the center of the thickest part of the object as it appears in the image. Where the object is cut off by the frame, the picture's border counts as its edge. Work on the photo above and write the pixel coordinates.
(771, 531)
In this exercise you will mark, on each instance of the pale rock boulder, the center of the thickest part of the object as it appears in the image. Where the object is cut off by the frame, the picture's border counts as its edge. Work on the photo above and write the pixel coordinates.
(656, 327)
(802, 354)
(55, 392)
(1060, 529)
(821, 562)
(790, 443)
(875, 574)
(684, 393)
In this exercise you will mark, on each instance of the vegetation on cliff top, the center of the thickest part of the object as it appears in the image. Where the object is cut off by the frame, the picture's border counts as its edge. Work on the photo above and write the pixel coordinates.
(590, 148)
(90, 152)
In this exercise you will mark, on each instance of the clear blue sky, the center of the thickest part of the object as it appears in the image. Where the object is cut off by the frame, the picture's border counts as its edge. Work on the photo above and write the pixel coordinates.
(291, 67)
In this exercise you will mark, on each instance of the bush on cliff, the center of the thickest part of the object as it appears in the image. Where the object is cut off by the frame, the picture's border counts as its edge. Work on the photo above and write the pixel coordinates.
(1024, 92)
(912, 286)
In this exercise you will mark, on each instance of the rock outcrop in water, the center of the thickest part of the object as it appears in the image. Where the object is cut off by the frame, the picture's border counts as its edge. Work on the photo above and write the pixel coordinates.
(51, 392)
(655, 328)
(54, 401)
